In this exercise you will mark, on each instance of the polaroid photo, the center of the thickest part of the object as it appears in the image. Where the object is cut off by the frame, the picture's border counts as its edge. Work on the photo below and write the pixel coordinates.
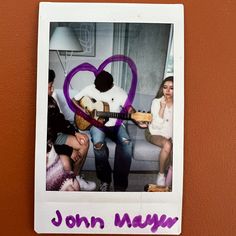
(110, 118)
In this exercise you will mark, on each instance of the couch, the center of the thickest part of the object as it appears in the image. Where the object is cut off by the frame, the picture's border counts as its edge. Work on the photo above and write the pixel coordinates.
(145, 155)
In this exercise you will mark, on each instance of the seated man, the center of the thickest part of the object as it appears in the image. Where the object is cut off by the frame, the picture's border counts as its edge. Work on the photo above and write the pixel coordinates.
(65, 134)
(104, 90)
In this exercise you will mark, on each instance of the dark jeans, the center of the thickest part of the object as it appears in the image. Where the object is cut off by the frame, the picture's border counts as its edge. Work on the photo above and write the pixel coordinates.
(123, 155)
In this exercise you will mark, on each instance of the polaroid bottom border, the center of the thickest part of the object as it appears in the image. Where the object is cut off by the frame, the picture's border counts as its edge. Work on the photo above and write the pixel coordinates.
(142, 218)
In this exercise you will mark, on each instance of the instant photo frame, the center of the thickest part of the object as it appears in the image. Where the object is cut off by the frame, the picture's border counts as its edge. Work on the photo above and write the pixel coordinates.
(84, 212)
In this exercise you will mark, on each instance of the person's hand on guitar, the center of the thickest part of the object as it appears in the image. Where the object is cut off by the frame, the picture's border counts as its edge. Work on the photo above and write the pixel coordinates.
(140, 124)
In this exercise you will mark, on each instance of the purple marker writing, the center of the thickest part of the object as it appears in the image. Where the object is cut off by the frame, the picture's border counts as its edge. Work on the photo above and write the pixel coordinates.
(154, 221)
(77, 221)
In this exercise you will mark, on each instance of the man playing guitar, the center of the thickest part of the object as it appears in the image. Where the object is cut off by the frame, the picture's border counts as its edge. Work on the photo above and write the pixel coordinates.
(104, 90)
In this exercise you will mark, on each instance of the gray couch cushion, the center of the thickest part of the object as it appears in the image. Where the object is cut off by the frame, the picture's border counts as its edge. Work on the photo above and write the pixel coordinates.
(142, 150)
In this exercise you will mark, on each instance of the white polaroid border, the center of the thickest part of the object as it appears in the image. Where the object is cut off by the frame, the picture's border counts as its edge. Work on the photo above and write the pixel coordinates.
(154, 210)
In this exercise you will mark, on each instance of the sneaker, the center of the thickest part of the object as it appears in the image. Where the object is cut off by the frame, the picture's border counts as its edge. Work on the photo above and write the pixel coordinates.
(85, 185)
(104, 187)
(161, 180)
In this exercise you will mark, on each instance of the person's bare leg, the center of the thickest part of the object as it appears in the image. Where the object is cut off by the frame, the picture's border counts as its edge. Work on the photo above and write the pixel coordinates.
(80, 143)
(164, 155)
(65, 160)
(166, 147)
(78, 165)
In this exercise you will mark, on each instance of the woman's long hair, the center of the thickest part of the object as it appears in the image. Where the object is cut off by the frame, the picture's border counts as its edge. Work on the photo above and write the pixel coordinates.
(160, 91)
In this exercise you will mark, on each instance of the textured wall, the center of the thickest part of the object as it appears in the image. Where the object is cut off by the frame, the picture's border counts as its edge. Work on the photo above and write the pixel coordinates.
(210, 132)
(147, 46)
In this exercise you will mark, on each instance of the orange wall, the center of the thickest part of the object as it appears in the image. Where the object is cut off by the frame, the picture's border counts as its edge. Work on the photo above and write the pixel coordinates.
(210, 111)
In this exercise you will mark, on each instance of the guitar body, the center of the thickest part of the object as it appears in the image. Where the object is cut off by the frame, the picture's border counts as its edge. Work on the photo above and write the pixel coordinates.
(81, 123)
(89, 105)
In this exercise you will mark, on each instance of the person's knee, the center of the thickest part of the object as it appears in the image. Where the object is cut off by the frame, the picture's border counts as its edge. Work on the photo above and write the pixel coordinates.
(82, 139)
(98, 146)
(78, 142)
(101, 151)
(125, 141)
(126, 145)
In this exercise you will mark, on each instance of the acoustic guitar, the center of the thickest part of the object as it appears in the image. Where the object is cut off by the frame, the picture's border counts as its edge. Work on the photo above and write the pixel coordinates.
(100, 111)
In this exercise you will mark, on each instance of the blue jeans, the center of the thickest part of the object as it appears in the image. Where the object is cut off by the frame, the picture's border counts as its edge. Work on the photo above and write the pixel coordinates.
(123, 155)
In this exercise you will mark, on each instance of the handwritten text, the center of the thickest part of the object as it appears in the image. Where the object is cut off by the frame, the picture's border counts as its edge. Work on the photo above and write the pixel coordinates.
(154, 221)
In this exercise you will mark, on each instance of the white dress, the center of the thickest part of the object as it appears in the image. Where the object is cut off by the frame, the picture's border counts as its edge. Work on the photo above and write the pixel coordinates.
(161, 126)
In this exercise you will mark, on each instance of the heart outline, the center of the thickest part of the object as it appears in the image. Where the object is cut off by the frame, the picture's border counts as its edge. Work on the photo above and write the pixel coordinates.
(88, 67)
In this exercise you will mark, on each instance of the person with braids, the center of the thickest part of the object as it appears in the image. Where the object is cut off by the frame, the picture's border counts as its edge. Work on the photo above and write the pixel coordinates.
(160, 130)
(71, 145)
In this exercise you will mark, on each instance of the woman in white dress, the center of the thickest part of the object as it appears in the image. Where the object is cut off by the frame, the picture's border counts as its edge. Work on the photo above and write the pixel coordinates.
(160, 130)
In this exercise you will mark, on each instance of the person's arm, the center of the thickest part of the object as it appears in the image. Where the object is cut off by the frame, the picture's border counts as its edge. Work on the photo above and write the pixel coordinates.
(157, 114)
(140, 124)
(130, 109)
(162, 107)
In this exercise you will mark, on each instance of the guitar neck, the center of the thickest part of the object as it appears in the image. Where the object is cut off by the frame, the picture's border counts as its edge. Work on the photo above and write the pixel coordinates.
(123, 116)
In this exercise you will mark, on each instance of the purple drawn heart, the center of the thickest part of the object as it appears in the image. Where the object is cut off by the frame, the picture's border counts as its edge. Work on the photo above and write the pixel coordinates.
(95, 71)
